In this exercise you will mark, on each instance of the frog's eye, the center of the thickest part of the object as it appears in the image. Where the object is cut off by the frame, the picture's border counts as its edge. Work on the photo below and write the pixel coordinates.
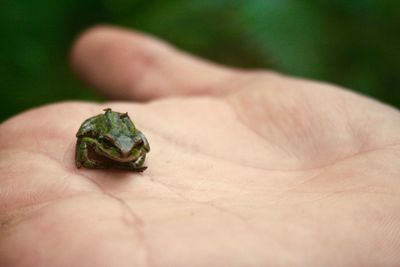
(107, 141)
(139, 142)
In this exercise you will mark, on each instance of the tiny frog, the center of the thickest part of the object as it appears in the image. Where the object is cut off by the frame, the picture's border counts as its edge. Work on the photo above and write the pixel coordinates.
(111, 140)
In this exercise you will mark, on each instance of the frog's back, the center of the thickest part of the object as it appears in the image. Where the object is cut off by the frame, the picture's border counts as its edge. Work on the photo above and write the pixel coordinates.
(91, 125)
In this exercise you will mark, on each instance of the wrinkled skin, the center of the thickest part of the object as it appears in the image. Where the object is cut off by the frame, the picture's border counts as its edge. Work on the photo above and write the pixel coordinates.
(250, 168)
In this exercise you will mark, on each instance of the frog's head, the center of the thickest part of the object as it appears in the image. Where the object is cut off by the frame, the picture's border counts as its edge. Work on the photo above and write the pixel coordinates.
(119, 140)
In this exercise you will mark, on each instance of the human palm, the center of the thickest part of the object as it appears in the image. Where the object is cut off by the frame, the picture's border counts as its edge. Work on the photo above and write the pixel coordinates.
(246, 169)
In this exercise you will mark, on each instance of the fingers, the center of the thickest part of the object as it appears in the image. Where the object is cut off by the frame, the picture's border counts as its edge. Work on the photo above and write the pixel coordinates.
(129, 65)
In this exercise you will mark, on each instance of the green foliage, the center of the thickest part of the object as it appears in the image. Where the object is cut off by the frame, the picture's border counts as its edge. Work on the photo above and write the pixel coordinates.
(351, 43)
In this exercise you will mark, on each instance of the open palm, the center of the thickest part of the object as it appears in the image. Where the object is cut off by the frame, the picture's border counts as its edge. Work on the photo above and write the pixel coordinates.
(246, 169)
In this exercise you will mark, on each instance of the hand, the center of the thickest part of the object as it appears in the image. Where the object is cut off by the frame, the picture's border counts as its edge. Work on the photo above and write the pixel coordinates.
(247, 168)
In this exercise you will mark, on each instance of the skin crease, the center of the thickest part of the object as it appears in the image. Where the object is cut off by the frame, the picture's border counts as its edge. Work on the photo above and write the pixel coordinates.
(247, 168)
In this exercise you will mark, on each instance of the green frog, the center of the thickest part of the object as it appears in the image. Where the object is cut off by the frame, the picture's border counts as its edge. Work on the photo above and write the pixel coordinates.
(111, 140)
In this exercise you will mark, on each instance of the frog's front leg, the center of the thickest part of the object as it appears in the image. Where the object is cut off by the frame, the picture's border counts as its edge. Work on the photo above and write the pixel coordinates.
(82, 157)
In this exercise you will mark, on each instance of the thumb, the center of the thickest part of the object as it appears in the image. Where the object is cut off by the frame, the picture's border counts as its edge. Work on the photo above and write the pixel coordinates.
(129, 65)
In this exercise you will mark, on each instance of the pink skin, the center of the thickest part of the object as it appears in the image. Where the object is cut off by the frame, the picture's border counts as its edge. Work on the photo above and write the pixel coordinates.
(250, 168)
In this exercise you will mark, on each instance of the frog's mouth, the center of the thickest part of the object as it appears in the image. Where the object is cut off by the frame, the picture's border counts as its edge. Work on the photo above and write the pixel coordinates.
(124, 159)
(127, 159)
(130, 158)
(101, 155)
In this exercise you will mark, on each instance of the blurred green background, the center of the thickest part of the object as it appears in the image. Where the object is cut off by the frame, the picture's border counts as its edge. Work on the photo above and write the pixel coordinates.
(355, 43)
